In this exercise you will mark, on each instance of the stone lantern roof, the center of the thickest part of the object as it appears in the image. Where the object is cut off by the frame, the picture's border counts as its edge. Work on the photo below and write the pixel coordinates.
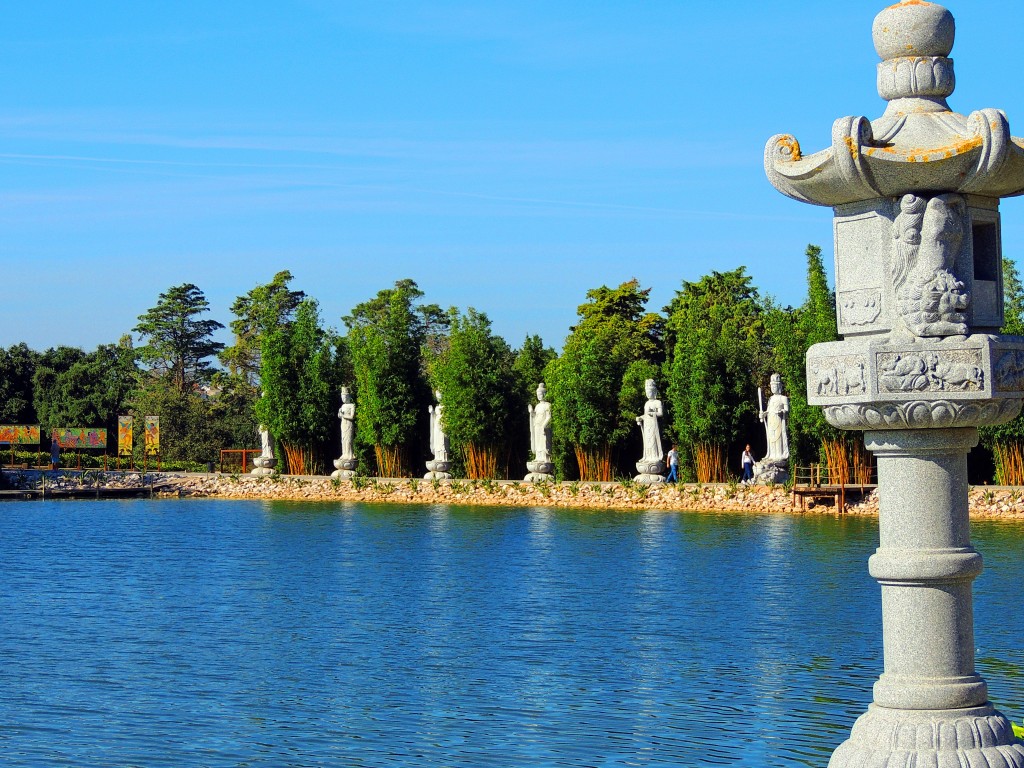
(919, 144)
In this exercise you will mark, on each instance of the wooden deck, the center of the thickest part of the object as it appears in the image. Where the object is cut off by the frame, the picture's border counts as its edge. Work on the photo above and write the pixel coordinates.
(99, 492)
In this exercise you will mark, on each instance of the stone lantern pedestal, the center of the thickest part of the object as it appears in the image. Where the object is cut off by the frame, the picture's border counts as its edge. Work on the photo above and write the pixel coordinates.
(921, 366)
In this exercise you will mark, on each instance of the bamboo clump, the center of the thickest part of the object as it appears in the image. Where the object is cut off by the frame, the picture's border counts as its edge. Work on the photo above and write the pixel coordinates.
(862, 463)
(481, 462)
(595, 465)
(390, 460)
(847, 462)
(1009, 463)
(837, 461)
(300, 460)
(709, 462)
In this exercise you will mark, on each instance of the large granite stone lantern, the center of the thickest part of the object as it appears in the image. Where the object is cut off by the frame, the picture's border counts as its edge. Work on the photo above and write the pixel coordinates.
(918, 268)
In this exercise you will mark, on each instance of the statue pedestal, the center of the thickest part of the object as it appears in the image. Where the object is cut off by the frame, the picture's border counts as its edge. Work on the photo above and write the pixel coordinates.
(264, 465)
(437, 470)
(344, 469)
(930, 707)
(651, 472)
(540, 471)
(771, 472)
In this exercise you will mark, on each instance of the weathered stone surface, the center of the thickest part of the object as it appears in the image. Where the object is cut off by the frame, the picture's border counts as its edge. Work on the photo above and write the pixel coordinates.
(918, 299)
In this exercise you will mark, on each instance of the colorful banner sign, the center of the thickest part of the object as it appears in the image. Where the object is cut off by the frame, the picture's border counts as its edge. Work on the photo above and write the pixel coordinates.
(152, 435)
(81, 437)
(125, 440)
(19, 434)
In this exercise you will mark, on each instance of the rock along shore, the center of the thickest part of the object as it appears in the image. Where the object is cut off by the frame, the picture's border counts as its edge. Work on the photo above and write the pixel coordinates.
(985, 501)
(999, 502)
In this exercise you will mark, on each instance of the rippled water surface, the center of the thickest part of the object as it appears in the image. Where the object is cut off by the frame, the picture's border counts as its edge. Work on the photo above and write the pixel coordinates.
(202, 633)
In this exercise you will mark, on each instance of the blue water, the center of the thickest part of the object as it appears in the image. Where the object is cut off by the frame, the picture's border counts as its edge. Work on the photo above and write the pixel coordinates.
(217, 633)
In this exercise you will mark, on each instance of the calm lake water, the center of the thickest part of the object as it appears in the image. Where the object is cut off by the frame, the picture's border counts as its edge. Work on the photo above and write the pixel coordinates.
(217, 633)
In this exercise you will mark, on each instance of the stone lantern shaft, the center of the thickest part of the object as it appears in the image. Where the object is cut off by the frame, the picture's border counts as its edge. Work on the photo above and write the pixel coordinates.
(915, 195)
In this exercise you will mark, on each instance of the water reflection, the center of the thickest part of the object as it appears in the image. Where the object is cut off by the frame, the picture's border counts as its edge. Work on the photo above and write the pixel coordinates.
(244, 633)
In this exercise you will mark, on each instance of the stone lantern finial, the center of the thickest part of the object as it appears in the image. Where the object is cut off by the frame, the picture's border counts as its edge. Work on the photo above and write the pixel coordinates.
(919, 144)
(914, 39)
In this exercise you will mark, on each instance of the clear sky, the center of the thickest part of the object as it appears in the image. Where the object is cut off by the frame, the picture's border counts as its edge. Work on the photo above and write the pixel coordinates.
(506, 155)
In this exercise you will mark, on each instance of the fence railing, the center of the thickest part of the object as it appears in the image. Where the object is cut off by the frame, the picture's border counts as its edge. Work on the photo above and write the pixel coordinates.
(237, 460)
(817, 475)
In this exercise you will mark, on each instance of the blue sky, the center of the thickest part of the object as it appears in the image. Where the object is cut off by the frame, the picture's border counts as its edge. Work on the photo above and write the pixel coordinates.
(505, 155)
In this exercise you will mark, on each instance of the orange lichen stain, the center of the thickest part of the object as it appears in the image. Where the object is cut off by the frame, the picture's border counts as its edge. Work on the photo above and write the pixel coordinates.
(910, 2)
(793, 146)
(926, 154)
(852, 146)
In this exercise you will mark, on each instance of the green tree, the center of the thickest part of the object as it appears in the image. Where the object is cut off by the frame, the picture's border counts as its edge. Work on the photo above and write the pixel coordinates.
(179, 345)
(301, 371)
(261, 310)
(178, 357)
(1013, 299)
(72, 388)
(589, 421)
(790, 333)
(483, 402)
(530, 361)
(17, 368)
(385, 338)
(714, 340)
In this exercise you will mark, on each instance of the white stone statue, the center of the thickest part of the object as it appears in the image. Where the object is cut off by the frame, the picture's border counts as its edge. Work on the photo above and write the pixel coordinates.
(344, 467)
(540, 426)
(652, 465)
(437, 469)
(774, 467)
(266, 461)
(540, 467)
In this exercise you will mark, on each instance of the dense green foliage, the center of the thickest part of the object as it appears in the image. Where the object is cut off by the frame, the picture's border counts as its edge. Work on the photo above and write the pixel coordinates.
(716, 343)
(178, 357)
(386, 337)
(715, 336)
(483, 402)
(72, 388)
(531, 360)
(17, 368)
(789, 334)
(179, 345)
(301, 372)
(586, 383)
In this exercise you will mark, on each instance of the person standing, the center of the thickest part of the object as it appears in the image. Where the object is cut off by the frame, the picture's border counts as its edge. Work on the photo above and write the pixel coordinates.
(54, 452)
(748, 465)
(673, 466)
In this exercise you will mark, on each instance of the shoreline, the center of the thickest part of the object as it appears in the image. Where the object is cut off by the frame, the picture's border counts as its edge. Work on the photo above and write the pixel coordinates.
(986, 502)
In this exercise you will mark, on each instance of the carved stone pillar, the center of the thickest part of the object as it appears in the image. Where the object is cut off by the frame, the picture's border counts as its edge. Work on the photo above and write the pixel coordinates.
(915, 195)
(931, 707)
